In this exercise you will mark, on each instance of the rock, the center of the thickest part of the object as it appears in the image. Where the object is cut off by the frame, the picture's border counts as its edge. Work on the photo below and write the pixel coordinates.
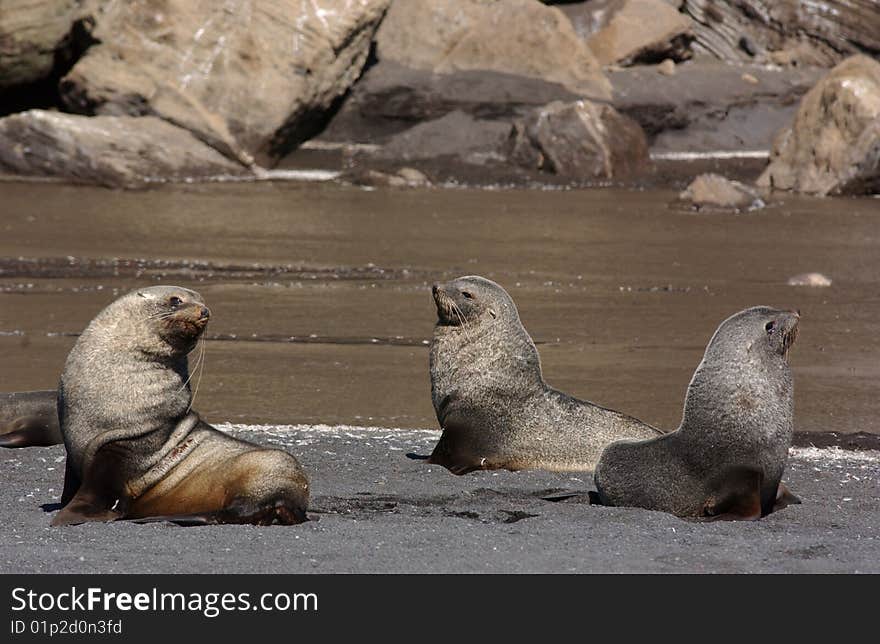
(251, 79)
(413, 177)
(809, 279)
(706, 106)
(833, 144)
(809, 33)
(32, 33)
(642, 31)
(714, 192)
(520, 37)
(749, 78)
(455, 134)
(589, 17)
(403, 178)
(582, 140)
(667, 67)
(114, 151)
(391, 98)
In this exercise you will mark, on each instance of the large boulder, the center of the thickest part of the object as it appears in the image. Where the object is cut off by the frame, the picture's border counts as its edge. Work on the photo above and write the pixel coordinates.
(641, 31)
(581, 140)
(785, 31)
(521, 37)
(833, 145)
(249, 78)
(32, 33)
(114, 151)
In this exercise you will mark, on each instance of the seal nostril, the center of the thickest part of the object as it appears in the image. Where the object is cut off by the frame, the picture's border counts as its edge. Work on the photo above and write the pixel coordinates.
(206, 313)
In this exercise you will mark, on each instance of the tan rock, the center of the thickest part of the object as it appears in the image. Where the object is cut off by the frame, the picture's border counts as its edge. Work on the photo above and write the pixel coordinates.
(833, 145)
(582, 140)
(809, 279)
(522, 37)
(31, 32)
(642, 30)
(667, 67)
(246, 77)
(714, 192)
(114, 151)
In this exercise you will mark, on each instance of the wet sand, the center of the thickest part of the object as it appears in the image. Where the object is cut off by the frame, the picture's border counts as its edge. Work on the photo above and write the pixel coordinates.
(321, 300)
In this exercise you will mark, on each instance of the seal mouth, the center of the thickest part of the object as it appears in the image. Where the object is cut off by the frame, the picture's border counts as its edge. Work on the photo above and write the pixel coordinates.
(447, 311)
(189, 322)
(789, 331)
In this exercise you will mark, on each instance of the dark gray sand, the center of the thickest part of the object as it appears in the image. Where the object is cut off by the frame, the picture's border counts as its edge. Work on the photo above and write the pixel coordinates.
(376, 511)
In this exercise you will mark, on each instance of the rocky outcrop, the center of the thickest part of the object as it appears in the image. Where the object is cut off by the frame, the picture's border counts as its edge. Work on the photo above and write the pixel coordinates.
(707, 107)
(454, 135)
(251, 79)
(520, 37)
(642, 31)
(114, 151)
(785, 31)
(582, 140)
(390, 98)
(32, 34)
(714, 192)
(833, 145)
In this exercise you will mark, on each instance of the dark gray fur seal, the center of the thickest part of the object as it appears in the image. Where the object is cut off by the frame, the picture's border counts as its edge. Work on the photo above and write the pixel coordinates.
(491, 400)
(136, 450)
(29, 419)
(727, 457)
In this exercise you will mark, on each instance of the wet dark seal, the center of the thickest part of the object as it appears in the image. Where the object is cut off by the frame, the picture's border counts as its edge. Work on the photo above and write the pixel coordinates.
(29, 419)
(490, 397)
(135, 449)
(726, 459)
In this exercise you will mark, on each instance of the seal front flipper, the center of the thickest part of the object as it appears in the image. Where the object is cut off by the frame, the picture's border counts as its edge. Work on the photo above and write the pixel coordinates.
(784, 498)
(736, 495)
(99, 497)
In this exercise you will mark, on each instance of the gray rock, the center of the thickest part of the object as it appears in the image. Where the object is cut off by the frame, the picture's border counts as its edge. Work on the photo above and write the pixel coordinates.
(455, 134)
(582, 140)
(113, 151)
(785, 31)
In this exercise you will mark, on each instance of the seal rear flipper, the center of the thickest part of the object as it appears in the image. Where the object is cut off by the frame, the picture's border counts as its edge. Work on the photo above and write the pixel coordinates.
(31, 431)
(736, 495)
(784, 498)
(99, 497)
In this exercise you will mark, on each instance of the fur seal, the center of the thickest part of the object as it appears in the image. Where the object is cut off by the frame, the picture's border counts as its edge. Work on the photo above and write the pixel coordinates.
(135, 449)
(29, 419)
(726, 459)
(490, 397)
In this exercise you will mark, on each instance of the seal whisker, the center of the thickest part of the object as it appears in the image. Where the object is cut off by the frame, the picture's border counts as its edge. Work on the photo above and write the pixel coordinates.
(200, 365)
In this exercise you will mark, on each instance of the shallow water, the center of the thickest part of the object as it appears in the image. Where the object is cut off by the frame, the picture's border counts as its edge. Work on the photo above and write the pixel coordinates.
(321, 301)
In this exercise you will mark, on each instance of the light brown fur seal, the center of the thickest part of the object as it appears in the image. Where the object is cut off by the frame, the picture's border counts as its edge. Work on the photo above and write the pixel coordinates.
(490, 397)
(726, 459)
(135, 450)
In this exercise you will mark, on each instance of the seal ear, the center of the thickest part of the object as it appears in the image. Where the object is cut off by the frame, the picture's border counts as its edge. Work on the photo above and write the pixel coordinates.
(493, 313)
(99, 497)
(736, 495)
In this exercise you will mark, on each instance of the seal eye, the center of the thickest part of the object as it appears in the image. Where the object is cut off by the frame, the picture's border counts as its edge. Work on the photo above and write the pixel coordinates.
(175, 301)
(467, 295)
(769, 327)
